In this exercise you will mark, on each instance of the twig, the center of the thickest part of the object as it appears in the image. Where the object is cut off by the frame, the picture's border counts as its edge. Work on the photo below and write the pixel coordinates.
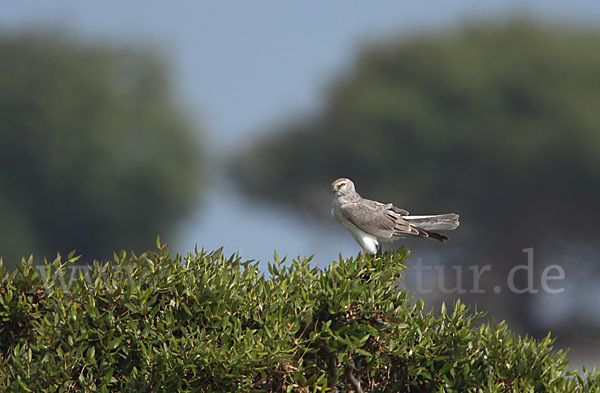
(355, 382)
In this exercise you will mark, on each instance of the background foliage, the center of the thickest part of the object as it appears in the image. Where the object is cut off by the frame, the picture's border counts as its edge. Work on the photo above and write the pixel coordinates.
(93, 152)
(495, 121)
(153, 322)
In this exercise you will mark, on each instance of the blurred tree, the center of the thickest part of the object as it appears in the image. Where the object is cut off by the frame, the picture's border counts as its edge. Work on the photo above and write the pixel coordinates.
(497, 121)
(94, 154)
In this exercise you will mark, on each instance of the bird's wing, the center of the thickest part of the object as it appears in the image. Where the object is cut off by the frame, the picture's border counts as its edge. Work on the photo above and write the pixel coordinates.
(395, 209)
(378, 219)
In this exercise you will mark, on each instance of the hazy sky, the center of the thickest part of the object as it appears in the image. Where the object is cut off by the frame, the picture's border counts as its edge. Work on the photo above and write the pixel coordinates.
(240, 67)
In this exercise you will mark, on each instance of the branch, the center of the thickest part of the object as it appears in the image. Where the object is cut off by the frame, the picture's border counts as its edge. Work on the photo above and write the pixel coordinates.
(332, 368)
(355, 382)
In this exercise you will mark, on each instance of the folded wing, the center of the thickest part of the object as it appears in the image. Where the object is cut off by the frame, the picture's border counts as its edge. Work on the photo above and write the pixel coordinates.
(381, 220)
(385, 221)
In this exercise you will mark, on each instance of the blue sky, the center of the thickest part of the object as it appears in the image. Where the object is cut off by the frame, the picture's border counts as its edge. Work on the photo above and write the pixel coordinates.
(241, 67)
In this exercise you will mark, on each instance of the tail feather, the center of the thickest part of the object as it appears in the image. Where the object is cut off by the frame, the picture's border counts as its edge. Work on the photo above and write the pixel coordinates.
(437, 236)
(437, 222)
(431, 235)
(420, 232)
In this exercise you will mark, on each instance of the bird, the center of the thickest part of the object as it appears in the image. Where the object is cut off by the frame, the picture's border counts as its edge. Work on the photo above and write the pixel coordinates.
(371, 222)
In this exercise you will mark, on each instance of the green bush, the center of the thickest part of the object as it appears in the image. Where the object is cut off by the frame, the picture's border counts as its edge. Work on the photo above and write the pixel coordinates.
(208, 323)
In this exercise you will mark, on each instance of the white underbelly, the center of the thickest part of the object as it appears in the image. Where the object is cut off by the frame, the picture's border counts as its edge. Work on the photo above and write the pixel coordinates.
(368, 242)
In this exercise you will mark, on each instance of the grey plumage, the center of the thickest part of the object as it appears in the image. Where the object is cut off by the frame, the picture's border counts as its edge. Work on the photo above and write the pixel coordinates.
(370, 222)
(438, 222)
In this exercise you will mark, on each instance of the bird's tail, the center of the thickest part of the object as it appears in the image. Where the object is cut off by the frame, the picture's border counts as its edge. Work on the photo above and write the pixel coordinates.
(438, 222)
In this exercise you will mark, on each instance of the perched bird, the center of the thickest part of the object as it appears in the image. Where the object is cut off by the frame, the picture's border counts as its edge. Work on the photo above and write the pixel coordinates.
(371, 222)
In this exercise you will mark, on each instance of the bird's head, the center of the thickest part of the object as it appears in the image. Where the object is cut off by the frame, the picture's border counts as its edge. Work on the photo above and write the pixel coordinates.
(342, 187)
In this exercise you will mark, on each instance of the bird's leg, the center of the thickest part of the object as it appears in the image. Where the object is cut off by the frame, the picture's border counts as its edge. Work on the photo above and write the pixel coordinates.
(364, 254)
